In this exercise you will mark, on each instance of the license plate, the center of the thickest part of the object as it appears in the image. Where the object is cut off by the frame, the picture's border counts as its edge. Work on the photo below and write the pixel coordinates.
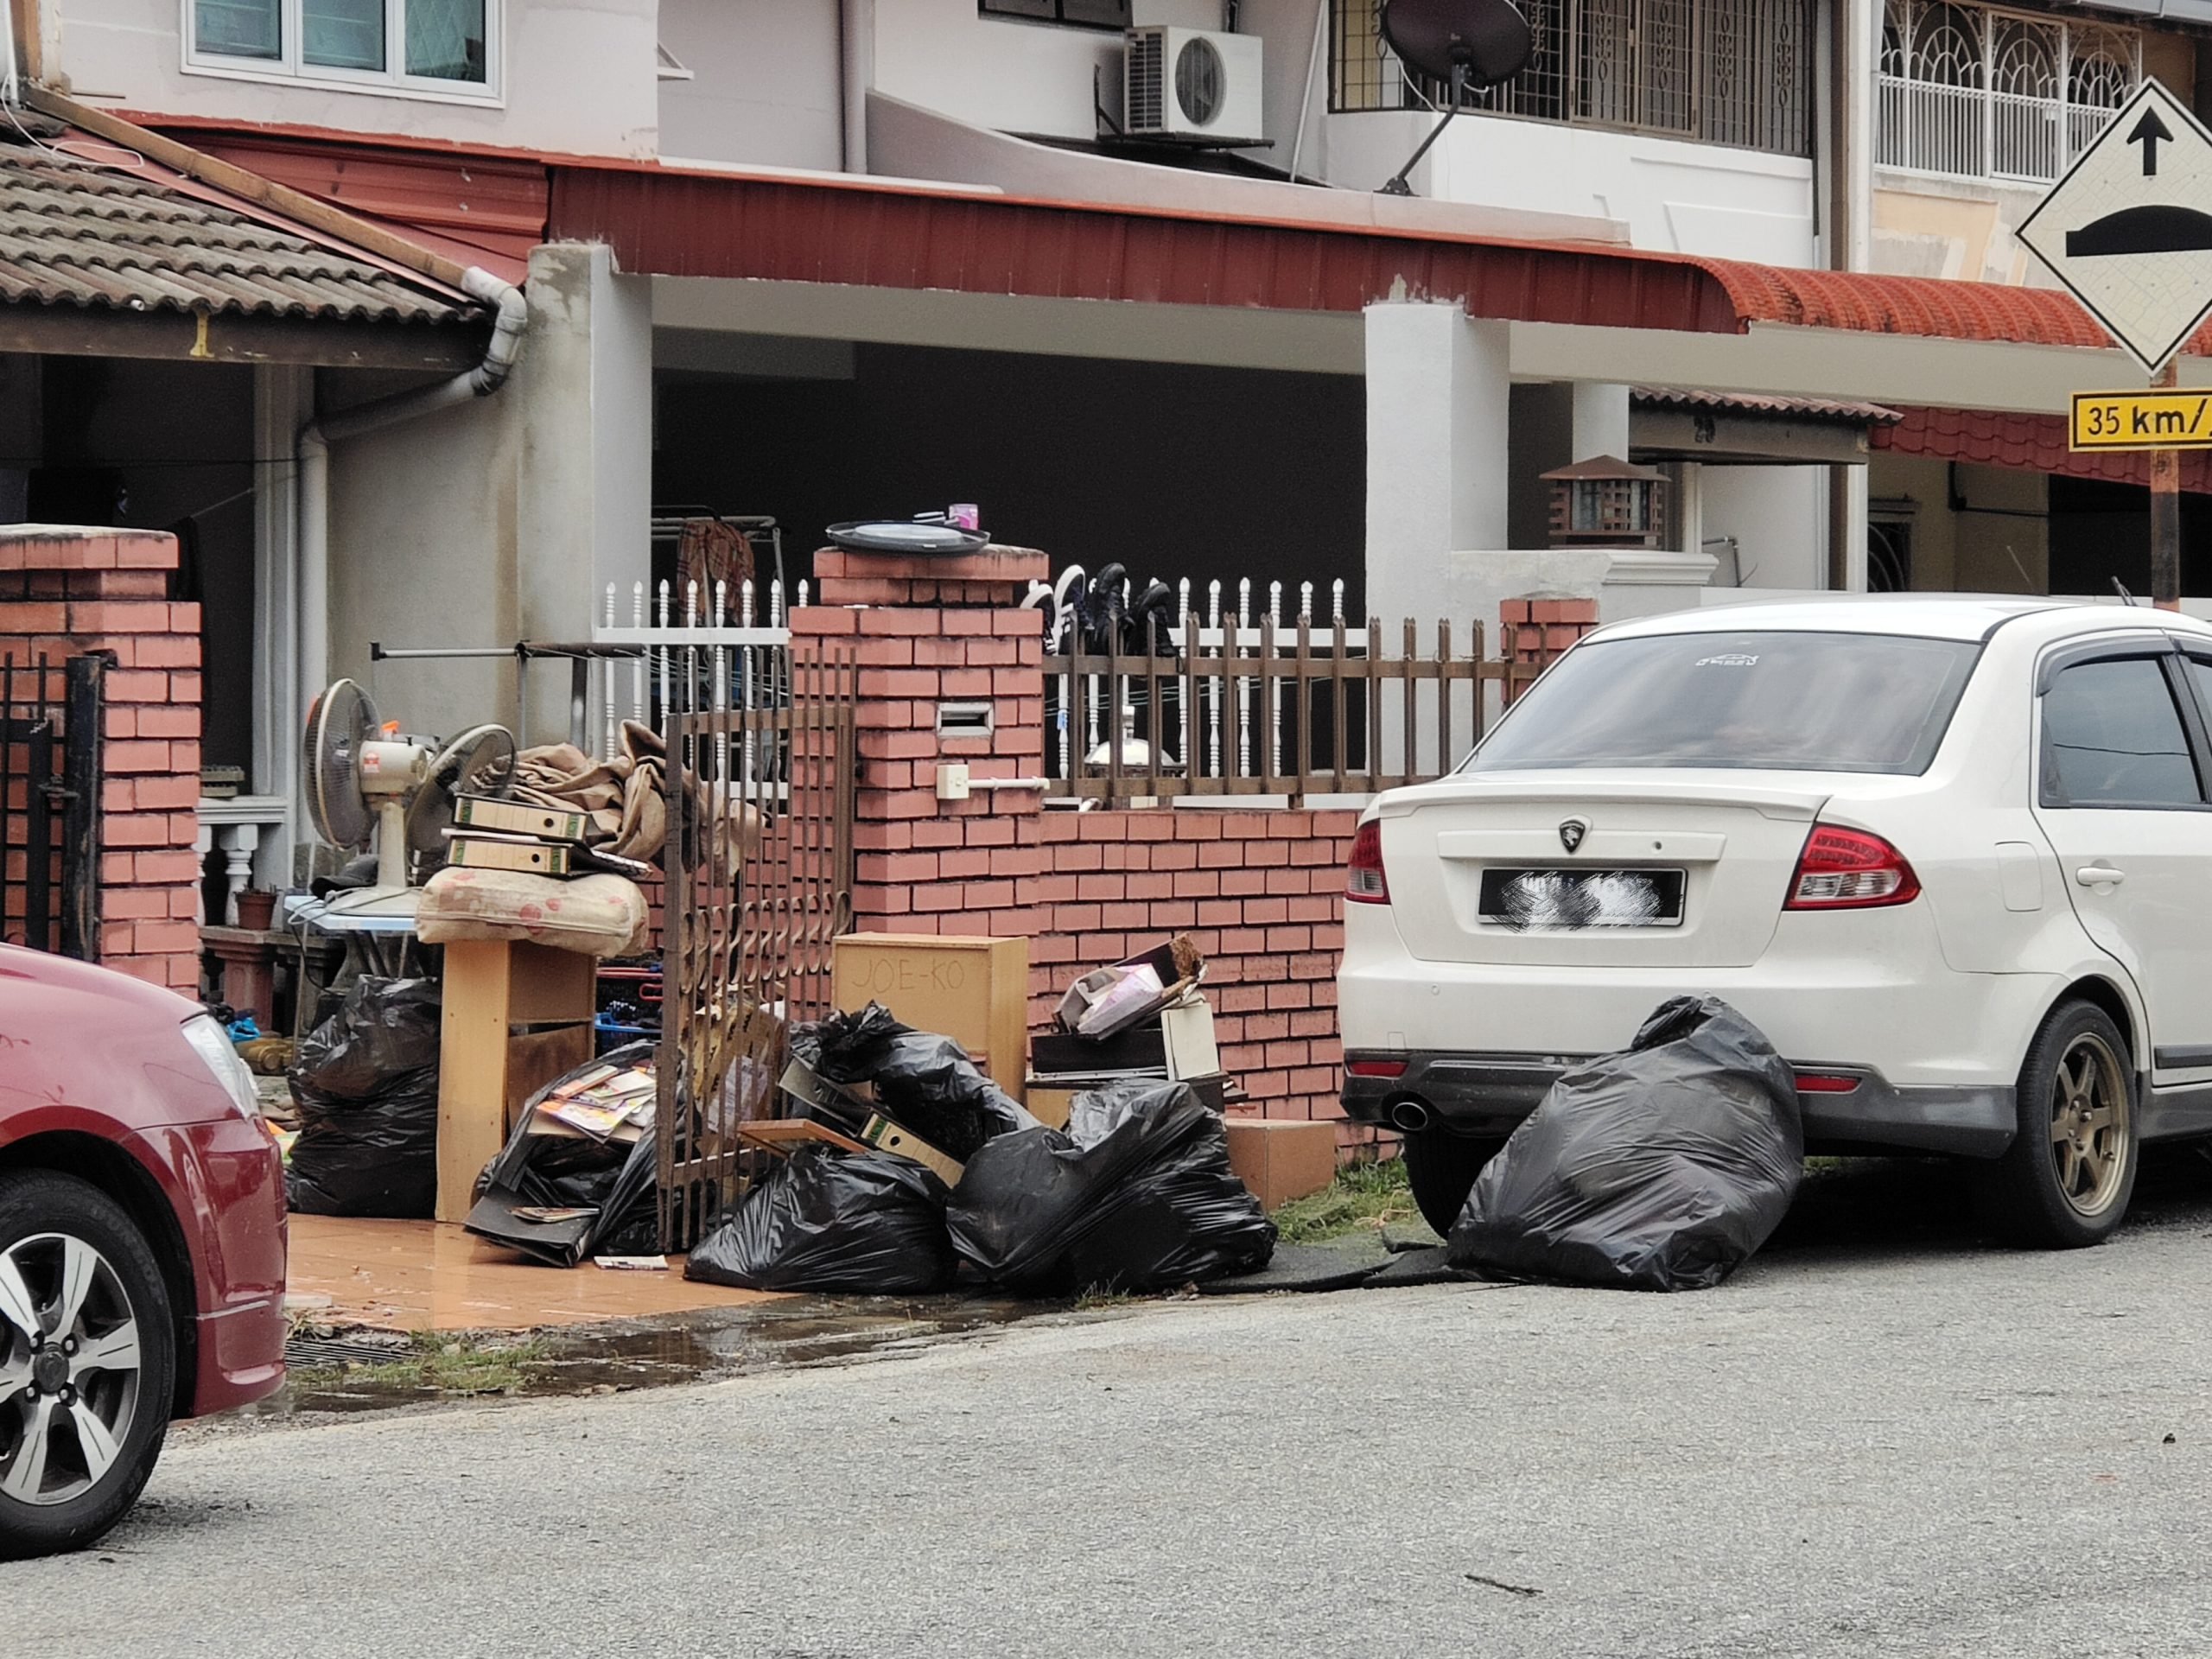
(1566, 901)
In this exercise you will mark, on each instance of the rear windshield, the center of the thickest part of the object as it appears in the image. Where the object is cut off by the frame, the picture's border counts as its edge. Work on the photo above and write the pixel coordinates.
(1771, 702)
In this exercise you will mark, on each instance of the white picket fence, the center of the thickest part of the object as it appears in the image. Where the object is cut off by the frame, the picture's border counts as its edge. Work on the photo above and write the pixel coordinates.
(707, 652)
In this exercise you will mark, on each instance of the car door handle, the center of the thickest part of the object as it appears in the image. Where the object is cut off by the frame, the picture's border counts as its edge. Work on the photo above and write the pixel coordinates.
(2099, 875)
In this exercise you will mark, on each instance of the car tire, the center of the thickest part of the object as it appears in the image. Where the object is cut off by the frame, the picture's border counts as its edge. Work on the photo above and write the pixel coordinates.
(89, 1399)
(2066, 1180)
(1441, 1168)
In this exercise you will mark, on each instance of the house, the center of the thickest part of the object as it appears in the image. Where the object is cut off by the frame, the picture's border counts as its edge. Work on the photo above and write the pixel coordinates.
(823, 258)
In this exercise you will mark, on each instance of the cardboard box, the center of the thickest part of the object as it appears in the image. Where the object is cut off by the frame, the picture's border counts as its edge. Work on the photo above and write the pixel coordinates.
(973, 990)
(1282, 1158)
(1051, 1106)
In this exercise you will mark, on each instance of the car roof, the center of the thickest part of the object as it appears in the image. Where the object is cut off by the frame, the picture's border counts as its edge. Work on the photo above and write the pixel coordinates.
(1930, 616)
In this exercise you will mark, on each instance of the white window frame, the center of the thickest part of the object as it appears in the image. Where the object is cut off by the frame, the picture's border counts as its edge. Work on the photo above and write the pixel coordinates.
(288, 68)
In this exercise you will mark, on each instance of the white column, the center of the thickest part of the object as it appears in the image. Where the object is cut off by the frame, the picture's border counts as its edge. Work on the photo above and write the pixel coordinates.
(1852, 522)
(284, 399)
(1862, 35)
(1437, 393)
(1600, 421)
(585, 500)
(238, 841)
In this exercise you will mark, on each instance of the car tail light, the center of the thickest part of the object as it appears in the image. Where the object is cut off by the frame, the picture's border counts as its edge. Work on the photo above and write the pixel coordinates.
(1849, 869)
(1364, 882)
(1825, 1083)
(1376, 1068)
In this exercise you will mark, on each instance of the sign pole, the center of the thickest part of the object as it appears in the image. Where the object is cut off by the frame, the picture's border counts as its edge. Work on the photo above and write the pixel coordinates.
(2165, 515)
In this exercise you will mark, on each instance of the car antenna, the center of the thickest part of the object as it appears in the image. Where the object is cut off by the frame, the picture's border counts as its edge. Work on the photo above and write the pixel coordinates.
(2121, 588)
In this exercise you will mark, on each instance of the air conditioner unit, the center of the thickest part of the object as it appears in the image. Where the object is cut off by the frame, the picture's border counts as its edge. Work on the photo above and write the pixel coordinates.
(1195, 84)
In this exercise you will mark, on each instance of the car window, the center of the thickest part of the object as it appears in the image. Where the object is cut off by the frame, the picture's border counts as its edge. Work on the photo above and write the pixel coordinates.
(2112, 737)
(1790, 701)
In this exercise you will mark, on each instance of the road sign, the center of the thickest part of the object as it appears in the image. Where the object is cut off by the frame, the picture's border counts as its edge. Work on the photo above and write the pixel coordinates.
(2129, 227)
(2142, 420)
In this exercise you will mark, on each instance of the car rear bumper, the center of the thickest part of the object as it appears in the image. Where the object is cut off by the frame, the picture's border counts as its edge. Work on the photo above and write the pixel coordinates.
(1488, 1094)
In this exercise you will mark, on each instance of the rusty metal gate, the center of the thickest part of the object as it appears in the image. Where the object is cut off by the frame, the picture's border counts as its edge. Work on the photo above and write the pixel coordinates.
(760, 860)
(50, 738)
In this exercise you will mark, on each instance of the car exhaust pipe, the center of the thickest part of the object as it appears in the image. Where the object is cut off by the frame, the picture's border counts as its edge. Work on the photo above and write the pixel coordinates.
(1410, 1115)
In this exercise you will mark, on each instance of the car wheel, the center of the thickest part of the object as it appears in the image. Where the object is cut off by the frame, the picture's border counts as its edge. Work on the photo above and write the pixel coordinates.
(1441, 1167)
(2067, 1178)
(87, 1364)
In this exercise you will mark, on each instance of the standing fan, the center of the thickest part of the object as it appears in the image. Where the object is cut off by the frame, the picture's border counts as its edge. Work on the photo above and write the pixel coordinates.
(480, 761)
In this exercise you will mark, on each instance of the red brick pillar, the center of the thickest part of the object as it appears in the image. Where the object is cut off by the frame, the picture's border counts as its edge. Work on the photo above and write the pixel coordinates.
(1535, 628)
(931, 629)
(65, 592)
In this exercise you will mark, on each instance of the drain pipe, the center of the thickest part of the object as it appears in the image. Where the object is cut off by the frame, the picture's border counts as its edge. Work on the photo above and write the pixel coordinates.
(512, 313)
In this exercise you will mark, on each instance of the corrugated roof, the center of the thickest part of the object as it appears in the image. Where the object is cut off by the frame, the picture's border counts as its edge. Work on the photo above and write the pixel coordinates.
(101, 227)
(1750, 402)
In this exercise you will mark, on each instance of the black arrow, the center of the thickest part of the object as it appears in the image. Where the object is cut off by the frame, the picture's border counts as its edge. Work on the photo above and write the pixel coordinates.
(2149, 131)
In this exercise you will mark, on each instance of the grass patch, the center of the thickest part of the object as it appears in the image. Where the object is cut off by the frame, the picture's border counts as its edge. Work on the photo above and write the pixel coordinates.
(1362, 1200)
(440, 1362)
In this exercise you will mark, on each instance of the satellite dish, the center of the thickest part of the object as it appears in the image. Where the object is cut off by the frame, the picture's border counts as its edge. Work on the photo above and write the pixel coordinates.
(1489, 40)
(1471, 43)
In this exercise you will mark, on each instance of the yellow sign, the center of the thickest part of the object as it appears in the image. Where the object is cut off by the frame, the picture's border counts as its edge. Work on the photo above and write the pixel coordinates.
(2142, 420)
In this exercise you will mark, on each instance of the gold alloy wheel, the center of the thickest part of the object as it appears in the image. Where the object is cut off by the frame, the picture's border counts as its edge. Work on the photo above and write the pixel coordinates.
(2090, 1125)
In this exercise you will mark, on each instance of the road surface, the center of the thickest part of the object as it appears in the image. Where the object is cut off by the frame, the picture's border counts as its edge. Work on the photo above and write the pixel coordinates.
(1879, 1439)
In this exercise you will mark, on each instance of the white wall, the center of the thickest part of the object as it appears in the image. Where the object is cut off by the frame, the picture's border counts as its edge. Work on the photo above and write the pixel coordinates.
(765, 84)
(1676, 197)
(1778, 515)
(1016, 77)
(579, 76)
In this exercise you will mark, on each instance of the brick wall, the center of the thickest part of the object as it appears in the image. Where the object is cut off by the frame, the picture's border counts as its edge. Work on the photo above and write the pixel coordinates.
(65, 592)
(1261, 893)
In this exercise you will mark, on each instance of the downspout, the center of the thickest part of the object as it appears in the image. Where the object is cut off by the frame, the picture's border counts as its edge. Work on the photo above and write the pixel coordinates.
(512, 312)
(856, 69)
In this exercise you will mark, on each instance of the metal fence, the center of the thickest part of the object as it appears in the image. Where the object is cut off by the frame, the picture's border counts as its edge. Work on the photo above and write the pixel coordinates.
(51, 715)
(1967, 91)
(759, 863)
(1724, 71)
(1247, 703)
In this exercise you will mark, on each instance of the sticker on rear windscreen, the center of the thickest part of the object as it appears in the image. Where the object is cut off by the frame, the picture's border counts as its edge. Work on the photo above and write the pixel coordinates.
(1729, 659)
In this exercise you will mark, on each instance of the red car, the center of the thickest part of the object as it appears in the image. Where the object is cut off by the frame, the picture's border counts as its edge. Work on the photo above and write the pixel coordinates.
(142, 1241)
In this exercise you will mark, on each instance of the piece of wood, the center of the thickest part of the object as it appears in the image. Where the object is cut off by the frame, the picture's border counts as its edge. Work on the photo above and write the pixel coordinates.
(490, 987)
(783, 1135)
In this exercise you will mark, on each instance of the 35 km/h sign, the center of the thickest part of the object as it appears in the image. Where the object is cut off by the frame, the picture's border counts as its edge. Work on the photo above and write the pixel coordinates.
(2142, 420)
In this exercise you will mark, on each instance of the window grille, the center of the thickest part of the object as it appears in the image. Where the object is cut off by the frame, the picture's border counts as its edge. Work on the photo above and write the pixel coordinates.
(1722, 72)
(1975, 94)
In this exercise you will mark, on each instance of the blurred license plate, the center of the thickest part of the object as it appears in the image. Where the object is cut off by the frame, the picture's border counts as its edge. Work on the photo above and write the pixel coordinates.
(1582, 899)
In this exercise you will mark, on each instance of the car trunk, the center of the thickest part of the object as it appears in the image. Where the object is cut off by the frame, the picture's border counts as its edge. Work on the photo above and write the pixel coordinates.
(1715, 849)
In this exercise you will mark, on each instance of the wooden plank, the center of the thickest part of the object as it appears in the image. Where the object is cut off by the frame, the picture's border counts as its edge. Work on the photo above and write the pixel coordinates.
(471, 1068)
(784, 1135)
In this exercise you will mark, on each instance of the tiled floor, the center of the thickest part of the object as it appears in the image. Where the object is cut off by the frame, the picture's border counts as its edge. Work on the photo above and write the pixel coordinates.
(419, 1275)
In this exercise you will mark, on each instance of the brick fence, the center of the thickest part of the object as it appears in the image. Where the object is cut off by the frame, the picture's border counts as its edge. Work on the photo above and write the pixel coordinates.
(65, 592)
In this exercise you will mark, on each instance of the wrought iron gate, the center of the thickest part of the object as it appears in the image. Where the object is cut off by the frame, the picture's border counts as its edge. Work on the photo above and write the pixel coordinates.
(759, 861)
(50, 739)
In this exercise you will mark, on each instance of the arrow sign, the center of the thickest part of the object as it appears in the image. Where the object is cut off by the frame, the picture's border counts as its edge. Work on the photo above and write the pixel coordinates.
(2150, 132)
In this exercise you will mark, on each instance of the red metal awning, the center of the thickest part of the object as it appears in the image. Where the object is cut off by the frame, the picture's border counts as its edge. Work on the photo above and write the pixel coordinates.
(879, 233)
(2035, 443)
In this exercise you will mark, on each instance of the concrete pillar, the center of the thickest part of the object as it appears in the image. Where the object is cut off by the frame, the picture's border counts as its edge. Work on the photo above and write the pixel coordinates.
(1600, 421)
(284, 401)
(584, 504)
(1437, 394)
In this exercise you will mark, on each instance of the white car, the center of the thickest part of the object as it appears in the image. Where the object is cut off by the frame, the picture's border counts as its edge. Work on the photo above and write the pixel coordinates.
(1954, 857)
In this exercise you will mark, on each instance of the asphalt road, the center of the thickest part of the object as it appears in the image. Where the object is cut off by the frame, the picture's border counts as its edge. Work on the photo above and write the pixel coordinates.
(1881, 1437)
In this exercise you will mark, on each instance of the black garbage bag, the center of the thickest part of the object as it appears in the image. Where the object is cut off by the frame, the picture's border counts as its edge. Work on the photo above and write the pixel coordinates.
(1139, 1196)
(825, 1220)
(618, 1183)
(924, 1083)
(1662, 1168)
(365, 1082)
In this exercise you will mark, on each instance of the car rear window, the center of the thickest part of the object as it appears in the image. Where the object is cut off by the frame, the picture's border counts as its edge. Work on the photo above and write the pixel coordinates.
(1767, 701)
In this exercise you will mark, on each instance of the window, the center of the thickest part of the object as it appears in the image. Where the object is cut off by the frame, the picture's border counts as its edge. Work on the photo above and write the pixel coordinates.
(2112, 737)
(438, 47)
(1085, 14)
(1722, 72)
(1767, 701)
(1975, 93)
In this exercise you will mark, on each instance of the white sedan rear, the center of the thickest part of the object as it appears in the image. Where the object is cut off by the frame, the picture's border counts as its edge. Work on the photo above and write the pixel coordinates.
(1954, 857)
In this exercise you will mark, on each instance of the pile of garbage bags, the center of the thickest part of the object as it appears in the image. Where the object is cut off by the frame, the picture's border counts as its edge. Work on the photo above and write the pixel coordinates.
(1662, 1168)
(1135, 1195)
(366, 1085)
(563, 1197)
